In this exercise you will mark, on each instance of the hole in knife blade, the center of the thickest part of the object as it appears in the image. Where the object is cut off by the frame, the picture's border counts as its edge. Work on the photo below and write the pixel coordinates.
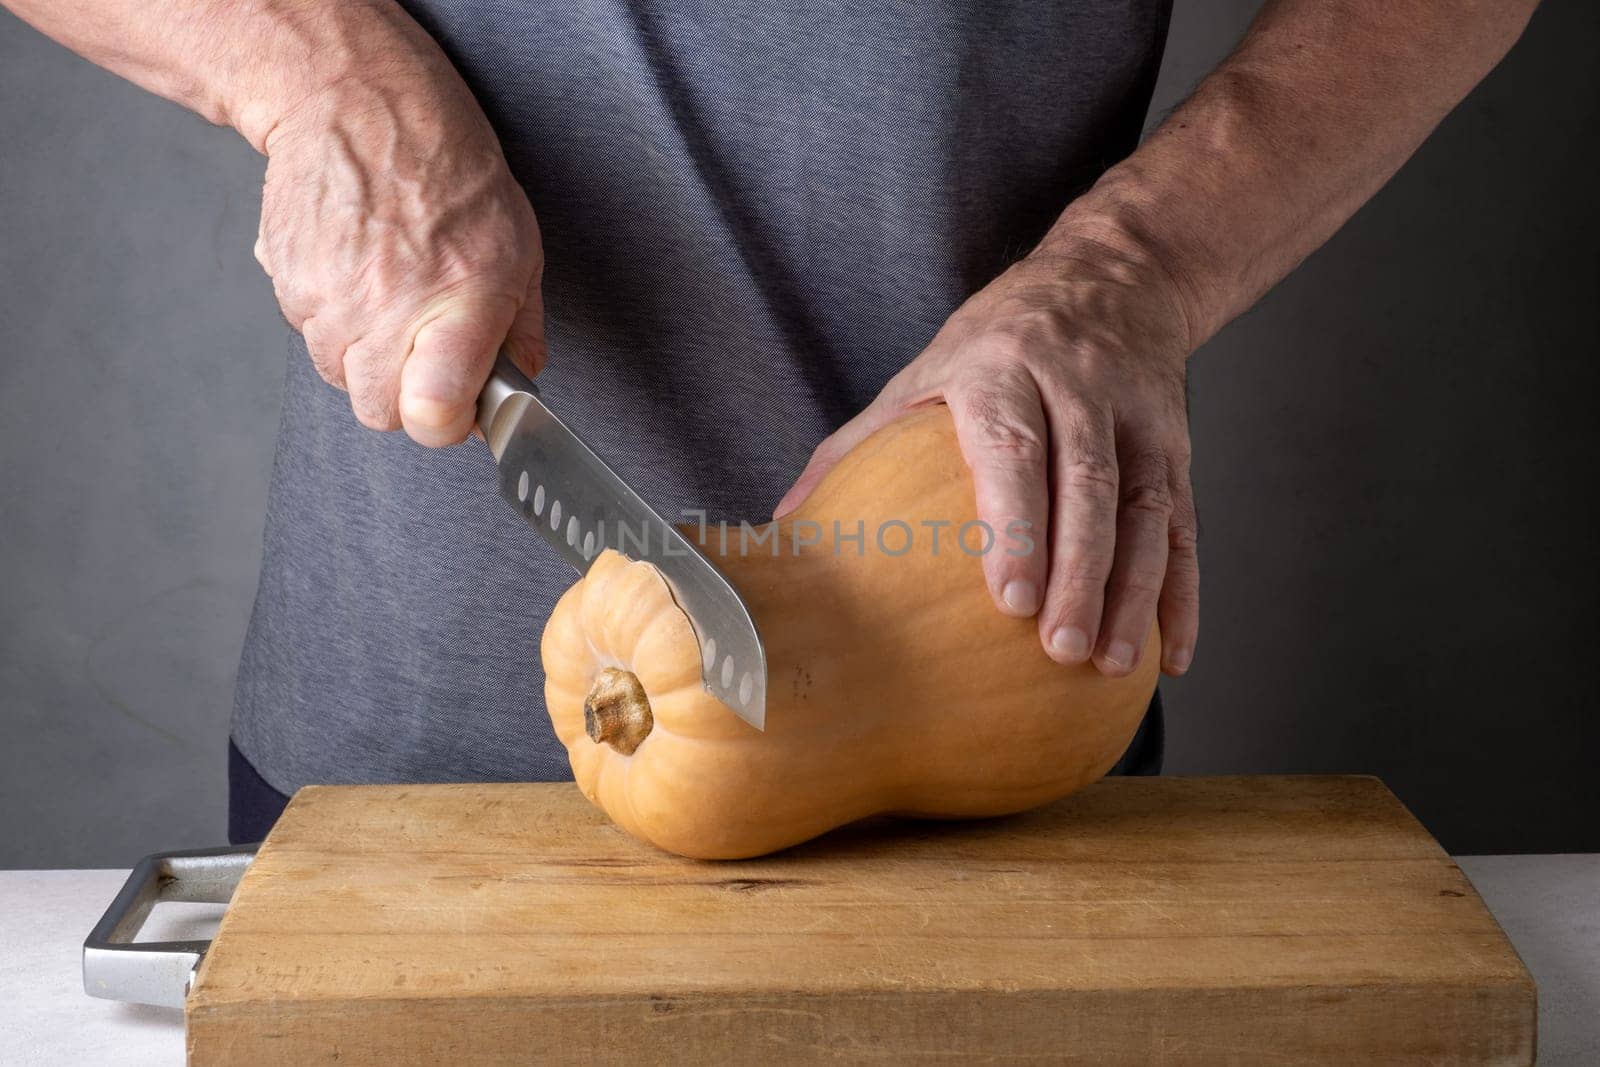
(572, 531)
(710, 652)
(727, 673)
(538, 501)
(588, 545)
(747, 685)
(555, 514)
(522, 487)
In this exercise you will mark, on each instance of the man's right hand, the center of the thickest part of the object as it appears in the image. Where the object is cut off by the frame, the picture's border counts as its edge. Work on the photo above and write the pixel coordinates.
(395, 236)
(399, 244)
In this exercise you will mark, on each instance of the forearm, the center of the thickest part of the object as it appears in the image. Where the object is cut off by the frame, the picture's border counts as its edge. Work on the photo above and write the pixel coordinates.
(1318, 106)
(240, 63)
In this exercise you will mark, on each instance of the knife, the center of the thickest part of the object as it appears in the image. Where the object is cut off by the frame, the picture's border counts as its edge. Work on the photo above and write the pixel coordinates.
(580, 506)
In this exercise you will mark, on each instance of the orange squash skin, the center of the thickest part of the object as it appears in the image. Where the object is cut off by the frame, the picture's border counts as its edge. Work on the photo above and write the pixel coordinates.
(894, 685)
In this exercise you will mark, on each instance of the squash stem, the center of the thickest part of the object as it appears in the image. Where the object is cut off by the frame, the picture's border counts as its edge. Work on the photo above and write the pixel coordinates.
(616, 712)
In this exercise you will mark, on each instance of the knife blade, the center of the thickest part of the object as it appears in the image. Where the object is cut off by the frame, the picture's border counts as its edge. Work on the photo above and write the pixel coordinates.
(580, 506)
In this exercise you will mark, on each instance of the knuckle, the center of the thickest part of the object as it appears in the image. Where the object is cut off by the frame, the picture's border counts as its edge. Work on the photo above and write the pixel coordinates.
(374, 404)
(1150, 464)
(294, 299)
(1087, 578)
(1010, 444)
(328, 372)
(1180, 452)
(998, 426)
(1183, 539)
(1141, 585)
(1001, 566)
(1090, 478)
(1147, 487)
(1085, 430)
(536, 267)
(375, 419)
(1080, 608)
(1151, 500)
(327, 357)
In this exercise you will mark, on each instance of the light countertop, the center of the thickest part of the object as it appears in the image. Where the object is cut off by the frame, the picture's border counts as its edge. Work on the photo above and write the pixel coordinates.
(1549, 905)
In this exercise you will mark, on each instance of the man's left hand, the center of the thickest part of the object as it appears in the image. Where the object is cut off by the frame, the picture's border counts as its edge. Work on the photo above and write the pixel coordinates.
(1065, 377)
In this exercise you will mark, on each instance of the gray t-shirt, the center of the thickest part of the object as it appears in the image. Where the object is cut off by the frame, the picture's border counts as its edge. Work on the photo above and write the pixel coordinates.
(754, 213)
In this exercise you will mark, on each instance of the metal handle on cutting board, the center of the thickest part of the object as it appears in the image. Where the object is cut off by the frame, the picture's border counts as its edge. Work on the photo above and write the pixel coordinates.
(158, 972)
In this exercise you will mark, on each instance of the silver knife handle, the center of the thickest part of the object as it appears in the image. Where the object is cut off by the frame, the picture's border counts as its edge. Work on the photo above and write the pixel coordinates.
(504, 397)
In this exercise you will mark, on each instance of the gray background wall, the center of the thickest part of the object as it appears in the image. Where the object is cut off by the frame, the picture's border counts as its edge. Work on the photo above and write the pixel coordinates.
(1395, 459)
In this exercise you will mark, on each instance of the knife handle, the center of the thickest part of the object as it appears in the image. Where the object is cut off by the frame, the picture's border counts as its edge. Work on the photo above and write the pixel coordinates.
(504, 396)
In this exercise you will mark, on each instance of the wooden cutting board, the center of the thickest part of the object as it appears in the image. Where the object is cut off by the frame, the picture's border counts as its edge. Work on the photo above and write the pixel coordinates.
(1181, 920)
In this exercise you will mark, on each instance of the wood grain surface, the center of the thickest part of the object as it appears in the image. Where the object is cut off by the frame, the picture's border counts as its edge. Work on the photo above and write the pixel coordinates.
(1176, 920)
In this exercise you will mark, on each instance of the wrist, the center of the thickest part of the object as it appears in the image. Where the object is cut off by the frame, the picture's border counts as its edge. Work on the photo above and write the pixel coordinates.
(1124, 219)
(299, 56)
(1090, 244)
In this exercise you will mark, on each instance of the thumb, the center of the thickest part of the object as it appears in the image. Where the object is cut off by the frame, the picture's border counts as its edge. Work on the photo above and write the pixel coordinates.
(449, 361)
(876, 415)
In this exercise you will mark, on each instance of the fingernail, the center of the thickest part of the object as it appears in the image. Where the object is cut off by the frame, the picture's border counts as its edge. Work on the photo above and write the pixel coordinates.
(1021, 597)
(1120, 655)
(1071, 643)
(1178, 660)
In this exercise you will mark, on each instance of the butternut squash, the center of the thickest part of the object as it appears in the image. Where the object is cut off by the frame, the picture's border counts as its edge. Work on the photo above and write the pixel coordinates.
(894, 684)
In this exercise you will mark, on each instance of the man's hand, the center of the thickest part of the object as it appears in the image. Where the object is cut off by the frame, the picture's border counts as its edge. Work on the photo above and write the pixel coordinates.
(395, 236)
(1065, 377)
(400, 245)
